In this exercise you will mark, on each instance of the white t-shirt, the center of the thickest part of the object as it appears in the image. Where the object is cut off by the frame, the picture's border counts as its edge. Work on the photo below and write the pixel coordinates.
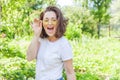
(49, 65)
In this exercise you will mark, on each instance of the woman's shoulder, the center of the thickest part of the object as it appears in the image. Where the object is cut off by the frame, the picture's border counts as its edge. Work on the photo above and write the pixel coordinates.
(64, 41)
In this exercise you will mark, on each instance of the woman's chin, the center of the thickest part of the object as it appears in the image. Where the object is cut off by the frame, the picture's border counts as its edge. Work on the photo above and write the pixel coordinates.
(50, 34)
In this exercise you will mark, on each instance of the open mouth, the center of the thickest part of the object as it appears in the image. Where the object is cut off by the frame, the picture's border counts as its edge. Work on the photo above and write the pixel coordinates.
(50, 29)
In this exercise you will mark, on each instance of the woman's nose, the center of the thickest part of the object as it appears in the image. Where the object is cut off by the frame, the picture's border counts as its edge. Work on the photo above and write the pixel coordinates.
(50, 22)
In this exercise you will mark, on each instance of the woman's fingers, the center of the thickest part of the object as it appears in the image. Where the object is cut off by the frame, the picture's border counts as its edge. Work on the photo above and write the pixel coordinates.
(36, 20)
(40, 23)
(36, 23)
(36, 26)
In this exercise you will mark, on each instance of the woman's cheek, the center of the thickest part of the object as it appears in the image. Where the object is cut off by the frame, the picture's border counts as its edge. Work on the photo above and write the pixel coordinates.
(44, 25)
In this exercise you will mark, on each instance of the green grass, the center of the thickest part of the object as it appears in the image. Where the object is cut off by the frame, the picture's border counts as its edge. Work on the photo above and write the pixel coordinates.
(97, 56)
(94, 59)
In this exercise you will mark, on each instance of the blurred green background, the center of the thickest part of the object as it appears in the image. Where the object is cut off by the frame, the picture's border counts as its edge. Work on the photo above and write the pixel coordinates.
(93, 31)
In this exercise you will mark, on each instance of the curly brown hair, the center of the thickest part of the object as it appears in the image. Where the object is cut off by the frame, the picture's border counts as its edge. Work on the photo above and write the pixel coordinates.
(62, 22)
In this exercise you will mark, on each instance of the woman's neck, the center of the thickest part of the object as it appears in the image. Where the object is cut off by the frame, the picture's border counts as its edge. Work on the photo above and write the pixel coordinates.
(52, 38)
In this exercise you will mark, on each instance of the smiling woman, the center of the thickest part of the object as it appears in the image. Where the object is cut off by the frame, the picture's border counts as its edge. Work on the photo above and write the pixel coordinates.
(50, 48)
(54, 24)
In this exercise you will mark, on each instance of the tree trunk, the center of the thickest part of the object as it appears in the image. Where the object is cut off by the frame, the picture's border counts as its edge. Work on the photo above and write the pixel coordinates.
(98, 26)
(109, 31)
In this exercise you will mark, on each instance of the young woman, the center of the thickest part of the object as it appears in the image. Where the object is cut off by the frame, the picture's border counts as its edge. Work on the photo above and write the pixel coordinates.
(49, 47)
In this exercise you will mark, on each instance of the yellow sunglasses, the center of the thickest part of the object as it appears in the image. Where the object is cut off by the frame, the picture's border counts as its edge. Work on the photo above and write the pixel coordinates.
(53, 21)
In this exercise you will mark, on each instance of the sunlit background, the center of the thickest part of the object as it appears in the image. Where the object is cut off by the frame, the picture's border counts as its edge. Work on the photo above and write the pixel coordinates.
(93, 31)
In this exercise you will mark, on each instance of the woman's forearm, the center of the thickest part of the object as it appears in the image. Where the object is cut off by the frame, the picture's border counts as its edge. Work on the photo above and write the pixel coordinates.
(33, 48)
(71, 76)
(69, 70)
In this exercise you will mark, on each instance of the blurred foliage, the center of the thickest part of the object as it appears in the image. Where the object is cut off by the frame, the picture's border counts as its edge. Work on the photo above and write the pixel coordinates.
(10, 49)
(81, 21)
(92, 59)
(98, 8)
(17, 15)
(115, 11)
(16, 68)
(100, 11)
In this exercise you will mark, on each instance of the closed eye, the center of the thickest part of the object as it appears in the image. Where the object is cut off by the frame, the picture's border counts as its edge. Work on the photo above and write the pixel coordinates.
(46, 20)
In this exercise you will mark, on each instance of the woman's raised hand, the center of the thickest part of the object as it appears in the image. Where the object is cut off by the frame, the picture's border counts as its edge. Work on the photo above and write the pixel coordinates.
(37, 27)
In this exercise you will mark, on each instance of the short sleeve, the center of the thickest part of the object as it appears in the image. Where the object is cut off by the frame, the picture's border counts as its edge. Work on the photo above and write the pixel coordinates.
(66, 51)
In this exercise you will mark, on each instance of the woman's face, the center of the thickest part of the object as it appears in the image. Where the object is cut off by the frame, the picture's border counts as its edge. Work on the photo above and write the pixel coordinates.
(50, 23)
